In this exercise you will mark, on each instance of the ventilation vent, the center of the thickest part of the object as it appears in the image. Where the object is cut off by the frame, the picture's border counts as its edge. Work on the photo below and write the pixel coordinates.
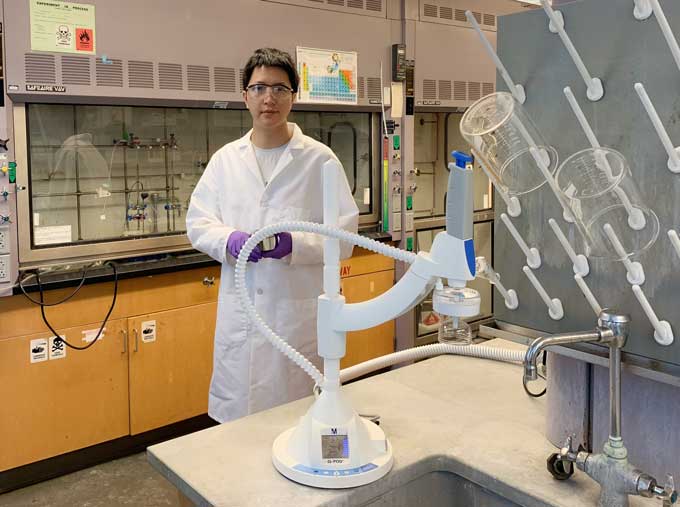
(355, 4)
(240, 78)
(360, 84)
(198, 78)
(40, 69)
(445, 12)
(140, 74)
(474, 90)
(489, 20)
(170, 76)
(445, 90)
(478, 16)
(374, 5)
(487, 88)
(430, 10)
(225, 79)
(373, 84)
(429, 89)
(459, 90)
(75, 70)
(460, 15)
(109, 73)
(339, 3)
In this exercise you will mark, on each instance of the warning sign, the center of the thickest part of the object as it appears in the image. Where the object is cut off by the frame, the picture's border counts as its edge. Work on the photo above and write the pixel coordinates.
(57, 348)
(65, 27)
(39, 350)
(84, 39)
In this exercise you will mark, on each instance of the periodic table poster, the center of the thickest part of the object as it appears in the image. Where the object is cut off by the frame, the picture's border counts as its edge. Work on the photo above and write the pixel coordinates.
(327, 76)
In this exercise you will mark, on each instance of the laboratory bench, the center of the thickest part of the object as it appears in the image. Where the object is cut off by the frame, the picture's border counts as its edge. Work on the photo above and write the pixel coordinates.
(463, 432)
(147, 377)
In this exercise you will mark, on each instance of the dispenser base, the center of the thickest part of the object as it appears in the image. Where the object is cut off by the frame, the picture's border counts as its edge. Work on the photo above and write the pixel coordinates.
(332, 478)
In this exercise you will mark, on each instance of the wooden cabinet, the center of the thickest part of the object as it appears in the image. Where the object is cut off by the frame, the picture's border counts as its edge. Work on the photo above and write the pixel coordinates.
(128, 382)
(113, 389)
(364, 276)
(54, 406)
(170, 374)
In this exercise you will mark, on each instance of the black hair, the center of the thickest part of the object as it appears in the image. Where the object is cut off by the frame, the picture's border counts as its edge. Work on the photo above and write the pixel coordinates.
(270, 57)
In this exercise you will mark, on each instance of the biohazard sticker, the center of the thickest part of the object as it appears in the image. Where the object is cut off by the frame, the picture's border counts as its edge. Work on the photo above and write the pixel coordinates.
(39, 352)
(57, 348)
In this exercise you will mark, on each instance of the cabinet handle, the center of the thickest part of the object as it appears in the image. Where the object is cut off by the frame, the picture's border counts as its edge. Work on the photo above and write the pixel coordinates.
(125, 340)
(209, 281)
(134, 331)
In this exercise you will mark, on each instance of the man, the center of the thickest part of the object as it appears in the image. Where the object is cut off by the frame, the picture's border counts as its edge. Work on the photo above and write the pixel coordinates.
(272, 174)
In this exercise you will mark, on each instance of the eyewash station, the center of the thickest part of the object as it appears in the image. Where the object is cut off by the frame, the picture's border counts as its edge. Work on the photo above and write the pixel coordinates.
(580, 151)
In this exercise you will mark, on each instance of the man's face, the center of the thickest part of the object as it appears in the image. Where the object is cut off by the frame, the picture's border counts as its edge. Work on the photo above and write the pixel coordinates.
(269, 106)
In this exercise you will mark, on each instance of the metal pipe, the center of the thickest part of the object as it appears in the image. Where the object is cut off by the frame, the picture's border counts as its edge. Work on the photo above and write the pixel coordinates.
(615, 391)
(543, 342)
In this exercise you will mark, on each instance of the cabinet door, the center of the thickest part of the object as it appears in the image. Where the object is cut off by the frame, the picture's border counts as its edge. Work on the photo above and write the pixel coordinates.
(53, 406)
(170, 365)
(376, 341)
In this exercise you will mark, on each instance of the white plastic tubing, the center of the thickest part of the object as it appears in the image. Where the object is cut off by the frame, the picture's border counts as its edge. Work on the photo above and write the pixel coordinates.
(481, 351)
(361, 369)
(240, 279)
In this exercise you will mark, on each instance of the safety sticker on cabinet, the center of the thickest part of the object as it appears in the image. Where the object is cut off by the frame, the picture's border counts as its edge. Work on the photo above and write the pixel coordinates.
(39, 350)
(57, 348)
(149, 331)
(89, 335)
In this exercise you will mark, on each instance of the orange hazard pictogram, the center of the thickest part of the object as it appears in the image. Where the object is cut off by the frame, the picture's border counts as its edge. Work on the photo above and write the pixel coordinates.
(84, 39)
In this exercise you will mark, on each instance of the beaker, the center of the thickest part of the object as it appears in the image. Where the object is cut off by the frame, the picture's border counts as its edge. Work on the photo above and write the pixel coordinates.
(501, 133)
(454, 330)
(613, 221)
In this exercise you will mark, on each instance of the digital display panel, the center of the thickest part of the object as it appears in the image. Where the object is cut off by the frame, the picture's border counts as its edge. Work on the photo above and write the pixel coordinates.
(334, 447)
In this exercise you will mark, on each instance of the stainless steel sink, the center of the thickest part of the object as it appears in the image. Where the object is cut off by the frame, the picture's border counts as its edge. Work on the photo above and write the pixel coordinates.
(440, 489)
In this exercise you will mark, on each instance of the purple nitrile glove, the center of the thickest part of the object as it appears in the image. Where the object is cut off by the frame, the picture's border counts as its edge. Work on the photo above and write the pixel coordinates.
(284, 246)
(236, 241)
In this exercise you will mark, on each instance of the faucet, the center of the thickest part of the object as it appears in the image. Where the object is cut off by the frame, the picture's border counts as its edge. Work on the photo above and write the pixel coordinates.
(617, 478)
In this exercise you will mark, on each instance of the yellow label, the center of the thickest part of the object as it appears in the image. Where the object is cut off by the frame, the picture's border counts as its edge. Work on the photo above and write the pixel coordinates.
(62, 27)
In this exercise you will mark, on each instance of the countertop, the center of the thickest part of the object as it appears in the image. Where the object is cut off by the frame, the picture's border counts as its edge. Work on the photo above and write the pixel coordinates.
(463, 415)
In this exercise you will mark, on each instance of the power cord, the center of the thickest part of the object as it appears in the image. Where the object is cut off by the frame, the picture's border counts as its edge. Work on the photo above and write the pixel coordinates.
(42, 305)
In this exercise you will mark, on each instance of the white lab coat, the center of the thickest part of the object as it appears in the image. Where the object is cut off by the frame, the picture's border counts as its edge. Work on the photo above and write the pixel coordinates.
(249, 375)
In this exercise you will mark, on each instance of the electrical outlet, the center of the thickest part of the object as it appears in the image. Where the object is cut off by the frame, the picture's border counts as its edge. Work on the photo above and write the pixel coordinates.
(4, 239)
(4, 269)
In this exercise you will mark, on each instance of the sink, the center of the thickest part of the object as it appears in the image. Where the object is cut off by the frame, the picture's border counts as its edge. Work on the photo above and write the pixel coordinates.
(440, 489)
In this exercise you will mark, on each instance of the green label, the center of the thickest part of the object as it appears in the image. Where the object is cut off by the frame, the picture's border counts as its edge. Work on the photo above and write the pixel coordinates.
(409, 244)
(409, 202)
(12, 172)
(396, 141)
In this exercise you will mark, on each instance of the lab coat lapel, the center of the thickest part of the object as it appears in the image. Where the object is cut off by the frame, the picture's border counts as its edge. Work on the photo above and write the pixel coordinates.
(293, 149)
(248, 156)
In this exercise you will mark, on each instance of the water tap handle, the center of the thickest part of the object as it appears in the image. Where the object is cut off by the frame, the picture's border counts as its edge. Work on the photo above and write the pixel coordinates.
(667, 494)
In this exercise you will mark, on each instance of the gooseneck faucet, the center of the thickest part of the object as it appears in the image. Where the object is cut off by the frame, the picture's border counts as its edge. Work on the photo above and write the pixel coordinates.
(617, 477)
